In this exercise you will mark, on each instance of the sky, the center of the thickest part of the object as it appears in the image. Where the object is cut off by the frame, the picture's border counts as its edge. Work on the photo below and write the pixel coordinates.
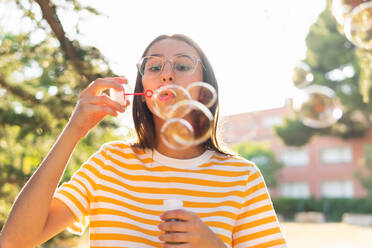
(252, 45)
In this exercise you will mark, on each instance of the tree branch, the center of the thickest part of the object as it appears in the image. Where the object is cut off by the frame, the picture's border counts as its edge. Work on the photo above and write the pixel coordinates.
(19, 92)
(49, 13)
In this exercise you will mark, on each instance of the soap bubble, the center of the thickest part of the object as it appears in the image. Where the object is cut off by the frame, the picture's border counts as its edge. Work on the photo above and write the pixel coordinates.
(187, 128)
(165, 97)
(358, 26)
(199, 116)
(341, 9)
(177, 133)
(202, 92)
(188, 120)
(317, 106)
(302, 75)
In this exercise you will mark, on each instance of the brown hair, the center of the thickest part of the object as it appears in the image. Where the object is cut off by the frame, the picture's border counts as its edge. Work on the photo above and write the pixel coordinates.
(142, 116)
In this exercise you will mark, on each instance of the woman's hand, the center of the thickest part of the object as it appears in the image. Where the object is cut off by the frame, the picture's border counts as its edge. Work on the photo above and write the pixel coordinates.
(192, 230)
(93, 106)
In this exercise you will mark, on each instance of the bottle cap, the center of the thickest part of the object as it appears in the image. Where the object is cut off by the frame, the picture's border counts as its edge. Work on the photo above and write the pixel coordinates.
(171, 204)
(117, 96)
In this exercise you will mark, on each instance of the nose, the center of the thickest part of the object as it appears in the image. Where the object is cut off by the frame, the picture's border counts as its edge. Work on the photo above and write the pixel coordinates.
(167, 74)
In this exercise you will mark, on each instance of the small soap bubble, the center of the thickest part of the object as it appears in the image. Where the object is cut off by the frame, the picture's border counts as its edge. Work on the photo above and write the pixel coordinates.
(302, 75)
(203, 92)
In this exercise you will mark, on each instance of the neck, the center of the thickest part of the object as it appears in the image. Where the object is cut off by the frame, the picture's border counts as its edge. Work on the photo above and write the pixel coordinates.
(190, 152)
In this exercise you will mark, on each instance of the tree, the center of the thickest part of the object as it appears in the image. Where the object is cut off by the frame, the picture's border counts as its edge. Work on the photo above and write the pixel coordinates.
(365, 179)
(339, 65)
(40, 82)
(263, 157)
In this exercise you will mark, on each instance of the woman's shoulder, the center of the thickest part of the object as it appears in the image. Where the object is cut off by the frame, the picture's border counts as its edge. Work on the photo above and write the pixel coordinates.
(232, 158)
(235, 162)
(122, 147)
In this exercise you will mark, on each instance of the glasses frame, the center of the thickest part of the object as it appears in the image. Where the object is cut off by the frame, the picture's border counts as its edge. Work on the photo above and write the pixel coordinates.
(170, 60)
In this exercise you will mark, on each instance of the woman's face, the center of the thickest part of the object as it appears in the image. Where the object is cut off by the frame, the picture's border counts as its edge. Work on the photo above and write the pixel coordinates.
(168, 50)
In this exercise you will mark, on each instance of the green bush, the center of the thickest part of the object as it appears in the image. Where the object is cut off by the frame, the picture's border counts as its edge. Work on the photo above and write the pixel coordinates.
(333, 209)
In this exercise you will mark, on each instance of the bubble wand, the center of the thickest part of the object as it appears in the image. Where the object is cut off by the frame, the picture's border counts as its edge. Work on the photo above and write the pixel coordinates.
(120, 96)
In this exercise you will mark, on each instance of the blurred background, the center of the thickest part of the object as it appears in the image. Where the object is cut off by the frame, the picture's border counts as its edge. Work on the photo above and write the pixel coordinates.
(295, 82)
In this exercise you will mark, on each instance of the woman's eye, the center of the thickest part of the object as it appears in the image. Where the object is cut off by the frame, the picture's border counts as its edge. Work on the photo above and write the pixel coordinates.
(155, 68)
(183, 67)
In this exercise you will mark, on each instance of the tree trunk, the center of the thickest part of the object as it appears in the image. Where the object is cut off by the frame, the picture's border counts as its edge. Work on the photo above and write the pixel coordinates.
(49, 14)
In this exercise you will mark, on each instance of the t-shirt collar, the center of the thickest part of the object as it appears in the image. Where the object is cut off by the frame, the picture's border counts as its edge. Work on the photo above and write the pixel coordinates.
(182, 163)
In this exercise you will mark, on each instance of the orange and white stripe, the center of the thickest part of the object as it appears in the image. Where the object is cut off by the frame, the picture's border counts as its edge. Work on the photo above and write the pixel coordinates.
(120, 191)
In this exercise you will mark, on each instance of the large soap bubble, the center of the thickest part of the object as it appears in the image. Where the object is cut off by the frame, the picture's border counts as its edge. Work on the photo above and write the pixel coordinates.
(317, 106)
(177, 133)
(188, 121)
(198, 117)
(165, 97)
(358, 26)
(341, 9)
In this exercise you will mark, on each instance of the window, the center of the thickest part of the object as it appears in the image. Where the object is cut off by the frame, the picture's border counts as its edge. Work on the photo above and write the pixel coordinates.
(298, 157)
(336, 155)
(272, 121)
(334, 189)
(295, 190)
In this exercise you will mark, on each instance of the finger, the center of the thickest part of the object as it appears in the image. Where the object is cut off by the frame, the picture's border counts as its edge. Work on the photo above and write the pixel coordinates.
(120, 80)
(178, 214)
(103, 110)
(177, 245)
(105, 100)
(101, 84)
(179, 226)
(175, 237)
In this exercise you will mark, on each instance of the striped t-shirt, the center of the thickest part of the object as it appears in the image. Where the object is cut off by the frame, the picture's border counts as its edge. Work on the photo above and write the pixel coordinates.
(120, 192)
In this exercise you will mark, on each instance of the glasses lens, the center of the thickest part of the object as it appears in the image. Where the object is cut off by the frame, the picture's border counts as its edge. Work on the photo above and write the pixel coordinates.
(183, 64)
(151, 66)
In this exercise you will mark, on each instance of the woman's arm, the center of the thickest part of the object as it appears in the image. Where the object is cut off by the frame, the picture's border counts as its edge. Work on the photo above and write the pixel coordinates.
(34, 217)
(30, 210)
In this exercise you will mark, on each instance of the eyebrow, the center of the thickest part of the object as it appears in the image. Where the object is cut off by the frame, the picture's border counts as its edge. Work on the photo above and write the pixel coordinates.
(161, 55)
(156, 54)
(183, 54)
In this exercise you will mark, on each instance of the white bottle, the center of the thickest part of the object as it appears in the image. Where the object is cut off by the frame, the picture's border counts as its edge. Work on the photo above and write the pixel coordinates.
(118, 96)
(172, 204)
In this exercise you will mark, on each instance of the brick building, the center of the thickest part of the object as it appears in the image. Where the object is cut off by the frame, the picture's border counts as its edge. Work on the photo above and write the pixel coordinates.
(322, 168)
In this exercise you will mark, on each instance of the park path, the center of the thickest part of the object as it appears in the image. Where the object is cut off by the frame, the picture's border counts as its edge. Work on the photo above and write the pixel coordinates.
(327, 235)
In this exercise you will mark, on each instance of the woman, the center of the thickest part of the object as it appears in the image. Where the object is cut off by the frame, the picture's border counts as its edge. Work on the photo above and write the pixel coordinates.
(121, 189)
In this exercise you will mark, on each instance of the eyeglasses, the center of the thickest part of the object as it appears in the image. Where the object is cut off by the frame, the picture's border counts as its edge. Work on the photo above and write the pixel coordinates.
(183, 64)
